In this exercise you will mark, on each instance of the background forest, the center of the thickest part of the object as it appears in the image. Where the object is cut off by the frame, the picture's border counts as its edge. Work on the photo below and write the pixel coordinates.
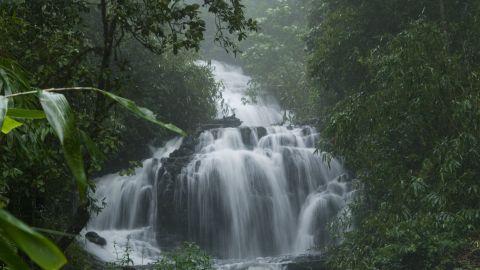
(142, 51)
(393, 87)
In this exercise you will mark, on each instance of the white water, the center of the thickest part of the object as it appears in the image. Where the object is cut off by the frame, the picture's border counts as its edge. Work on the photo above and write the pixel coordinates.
(250, 192)
(263, 113)
(128, 216)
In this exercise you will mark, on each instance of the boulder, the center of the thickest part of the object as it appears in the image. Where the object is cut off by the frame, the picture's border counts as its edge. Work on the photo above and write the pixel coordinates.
(95, 238)
(225, 122)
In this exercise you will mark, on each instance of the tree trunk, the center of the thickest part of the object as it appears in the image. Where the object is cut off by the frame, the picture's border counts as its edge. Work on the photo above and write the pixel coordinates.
(79, 222)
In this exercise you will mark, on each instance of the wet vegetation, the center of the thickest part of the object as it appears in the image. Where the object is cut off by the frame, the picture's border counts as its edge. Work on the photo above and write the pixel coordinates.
(393, 87)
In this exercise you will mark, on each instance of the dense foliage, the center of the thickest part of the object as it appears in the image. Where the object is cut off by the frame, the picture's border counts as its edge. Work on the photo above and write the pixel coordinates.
(188, 256)
(394, 88)
(398, 90)
(130, 48)
(275, 56)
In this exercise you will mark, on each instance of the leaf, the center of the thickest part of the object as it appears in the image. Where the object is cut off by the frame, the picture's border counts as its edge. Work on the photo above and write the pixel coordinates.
(91, 146)
(9, 256)
(5, 86)
(14, 76)
(25, 113)
(41, 250)
(141, 112)
(9, 124)
(61, 118)
(3, 109)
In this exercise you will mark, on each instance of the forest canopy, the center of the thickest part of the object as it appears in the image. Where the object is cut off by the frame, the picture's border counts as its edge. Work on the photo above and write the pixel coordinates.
(143, 50)
(392, 86)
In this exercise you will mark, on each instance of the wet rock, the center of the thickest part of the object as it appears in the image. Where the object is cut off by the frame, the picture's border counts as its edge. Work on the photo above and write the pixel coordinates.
(225, 122)
(249, 133)
(246, 133)
(261, 131)
(306, 131)
(95, 238)
(344, 178)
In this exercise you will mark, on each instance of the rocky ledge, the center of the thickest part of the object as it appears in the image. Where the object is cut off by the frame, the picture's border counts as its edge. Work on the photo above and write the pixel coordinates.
(170, 219)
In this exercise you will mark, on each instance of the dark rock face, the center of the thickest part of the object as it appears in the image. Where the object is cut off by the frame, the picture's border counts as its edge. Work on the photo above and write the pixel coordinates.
(171, 218)
(95, 238)
(248, 134)
(225, 122)
(172, 204)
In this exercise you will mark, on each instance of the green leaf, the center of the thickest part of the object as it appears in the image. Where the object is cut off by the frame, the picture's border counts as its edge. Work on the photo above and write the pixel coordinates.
(41, 250)
(6, 85)
(141, 112)
(9, 256)
(91, 146)
(9, 124)
(61, 118)
(14, 76)
(25, 113)
(3, 109)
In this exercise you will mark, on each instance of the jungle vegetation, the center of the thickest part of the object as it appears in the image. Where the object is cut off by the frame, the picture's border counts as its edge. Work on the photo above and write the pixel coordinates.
(392, 85)
(394, 88)
(69, 62)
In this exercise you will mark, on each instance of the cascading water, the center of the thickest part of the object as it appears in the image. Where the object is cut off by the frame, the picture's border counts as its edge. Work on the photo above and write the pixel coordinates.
(128, 216)
(246, 192)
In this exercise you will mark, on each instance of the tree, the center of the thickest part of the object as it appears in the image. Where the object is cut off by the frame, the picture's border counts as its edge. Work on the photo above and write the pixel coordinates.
(398, 93)
(60, 43)
(56, 109)
(275, 57)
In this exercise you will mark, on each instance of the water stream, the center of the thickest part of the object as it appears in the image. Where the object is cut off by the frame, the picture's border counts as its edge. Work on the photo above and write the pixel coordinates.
(253, 196)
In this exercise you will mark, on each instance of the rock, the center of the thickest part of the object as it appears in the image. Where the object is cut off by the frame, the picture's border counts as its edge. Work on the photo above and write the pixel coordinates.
(95, 238)
(246, 133)
(344, 178)
(225, 122)
(261, 131)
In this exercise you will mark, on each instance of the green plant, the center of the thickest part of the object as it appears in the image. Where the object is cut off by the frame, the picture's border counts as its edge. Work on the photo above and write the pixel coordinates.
(398, 92)
(125, 258)
(187, 257)
(56, 109)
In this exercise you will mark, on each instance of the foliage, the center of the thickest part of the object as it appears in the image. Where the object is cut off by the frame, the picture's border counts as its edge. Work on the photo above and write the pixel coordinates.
(185, 91)
(75, 43)
(175, 87)
(58, 112)
(398, 91)
(36, 246)
(124, 259)
(188, 256)
(275, 56)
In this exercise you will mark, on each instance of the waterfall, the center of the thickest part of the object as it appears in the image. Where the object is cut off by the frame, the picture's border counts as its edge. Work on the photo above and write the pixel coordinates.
(245, 198)
(128, 216)
(251, 191)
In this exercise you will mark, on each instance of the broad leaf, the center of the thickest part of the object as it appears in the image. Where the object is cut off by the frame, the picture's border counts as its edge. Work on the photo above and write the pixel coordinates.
(61, 118)
(91, 146)
(25, 113)
(141, 112)
(9, 256)
(41, 250)
(6, 86)
(9, 124)
(14, 76)
(3, 109)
